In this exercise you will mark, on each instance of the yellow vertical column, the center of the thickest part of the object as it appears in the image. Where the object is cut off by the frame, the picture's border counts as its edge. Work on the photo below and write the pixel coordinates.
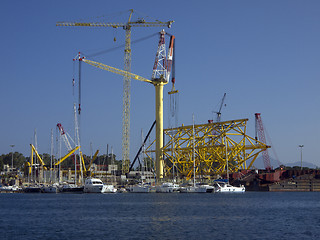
(30, 168)
(159, 130)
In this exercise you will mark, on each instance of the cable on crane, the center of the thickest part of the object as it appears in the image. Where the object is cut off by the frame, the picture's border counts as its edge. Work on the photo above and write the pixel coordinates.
(173, 94)
(73, 79)
(120, 46)
(79, 108)
(272, 147)
(105, 16)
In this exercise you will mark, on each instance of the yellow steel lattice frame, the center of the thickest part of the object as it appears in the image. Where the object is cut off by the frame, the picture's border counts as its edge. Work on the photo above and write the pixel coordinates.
(217, 145)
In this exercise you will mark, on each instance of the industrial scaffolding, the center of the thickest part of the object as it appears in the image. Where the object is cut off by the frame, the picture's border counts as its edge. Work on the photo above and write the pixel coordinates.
(208, 149)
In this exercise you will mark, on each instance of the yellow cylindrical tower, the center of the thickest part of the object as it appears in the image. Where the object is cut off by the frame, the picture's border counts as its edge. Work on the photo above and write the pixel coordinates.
(159, 130)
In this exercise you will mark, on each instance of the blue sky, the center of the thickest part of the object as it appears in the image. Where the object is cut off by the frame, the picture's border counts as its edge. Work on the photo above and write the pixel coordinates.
(264, 54)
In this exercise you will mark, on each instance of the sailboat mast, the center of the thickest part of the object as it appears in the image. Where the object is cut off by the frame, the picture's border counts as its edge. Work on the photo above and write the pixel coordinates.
(75, 141)
(193, 153)
(51, 157)
(60, 137)
(113, 174)
(225, 141)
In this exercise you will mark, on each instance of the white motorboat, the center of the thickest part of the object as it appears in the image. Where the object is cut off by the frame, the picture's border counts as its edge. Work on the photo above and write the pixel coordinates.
(209, 189)
(109, 189)
(10, 189)
(95, 185)
(70, 188)
(194, 189)
(224, 187)
(167, 187)
(32, 189)
(50, 188)
(140, 188)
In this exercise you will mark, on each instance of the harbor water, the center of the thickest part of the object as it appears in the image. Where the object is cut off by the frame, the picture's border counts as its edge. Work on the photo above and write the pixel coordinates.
(249, 215)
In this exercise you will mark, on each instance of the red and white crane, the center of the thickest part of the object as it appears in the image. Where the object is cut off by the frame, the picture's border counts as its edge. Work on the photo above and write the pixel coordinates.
(65, 136)
(262, 138)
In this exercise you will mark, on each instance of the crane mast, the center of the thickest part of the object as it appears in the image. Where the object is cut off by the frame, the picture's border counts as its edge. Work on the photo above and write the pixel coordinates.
(262, 138)
(160, 63)
(158, 83)
(126, 79)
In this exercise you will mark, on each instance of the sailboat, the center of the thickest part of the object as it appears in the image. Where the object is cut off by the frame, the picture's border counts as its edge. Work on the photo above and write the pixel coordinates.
(144, 186)
(196, 188)
(51, 188)
(224, 186)
(140, 188)
(110, 188)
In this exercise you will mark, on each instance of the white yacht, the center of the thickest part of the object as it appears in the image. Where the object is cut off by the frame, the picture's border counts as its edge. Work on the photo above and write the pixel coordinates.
(194, 189)
(226, 187)
(70, 188)
(10, 189)
(109, 189)
(209, 189)
(167, 187)
(95, 185)
(140, 188)
(54, 188)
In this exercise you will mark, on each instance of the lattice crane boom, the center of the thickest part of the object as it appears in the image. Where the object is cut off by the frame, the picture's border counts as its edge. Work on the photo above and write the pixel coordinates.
(218, 119)
(116, 25)
(262, 138)
(65, 136)
(115, 70)
(127, 67)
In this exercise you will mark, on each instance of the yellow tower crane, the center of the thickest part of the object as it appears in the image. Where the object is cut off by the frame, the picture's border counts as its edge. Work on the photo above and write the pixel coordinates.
(127, 67)
(158, 83)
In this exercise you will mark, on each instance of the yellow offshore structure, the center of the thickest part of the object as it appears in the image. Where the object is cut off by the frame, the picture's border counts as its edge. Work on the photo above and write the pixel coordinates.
(212, 149)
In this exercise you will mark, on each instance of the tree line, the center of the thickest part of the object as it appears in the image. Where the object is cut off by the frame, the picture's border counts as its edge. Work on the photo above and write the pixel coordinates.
(19, 160)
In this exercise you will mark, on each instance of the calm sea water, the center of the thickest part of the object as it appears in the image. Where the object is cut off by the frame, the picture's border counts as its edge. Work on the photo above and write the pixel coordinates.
(250, 215)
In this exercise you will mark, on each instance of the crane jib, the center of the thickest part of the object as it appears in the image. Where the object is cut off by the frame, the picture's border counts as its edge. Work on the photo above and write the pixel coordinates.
(115, 70)
(116, 25)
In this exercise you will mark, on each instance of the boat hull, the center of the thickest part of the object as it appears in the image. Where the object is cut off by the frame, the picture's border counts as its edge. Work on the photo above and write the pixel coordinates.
(108, 189)
(227, 188)
(32, 190)
(49, 189)
(71, 189)
(139, 189)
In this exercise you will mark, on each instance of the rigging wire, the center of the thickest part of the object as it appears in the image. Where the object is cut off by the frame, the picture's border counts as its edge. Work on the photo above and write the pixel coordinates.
(272, 147)
(120, 46)
(105, 16)
(79, 99)
(173, 96)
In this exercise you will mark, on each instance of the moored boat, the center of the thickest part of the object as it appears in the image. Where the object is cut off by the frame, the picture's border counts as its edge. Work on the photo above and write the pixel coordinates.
(140, 188)
(194, 189)
(93, 185)
(9, 189)
(167, 187)
(225, 187)
(109, 189)
(32, 189)
(50, 189)
(71, 188)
